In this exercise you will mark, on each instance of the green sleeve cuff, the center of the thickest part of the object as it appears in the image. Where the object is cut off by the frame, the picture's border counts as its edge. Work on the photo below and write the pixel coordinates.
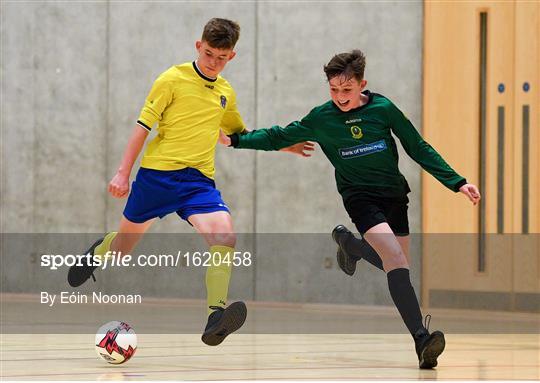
(462, 182)
(234, 140)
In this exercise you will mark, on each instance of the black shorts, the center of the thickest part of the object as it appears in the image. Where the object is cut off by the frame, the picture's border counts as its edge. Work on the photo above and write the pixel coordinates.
(368, 212)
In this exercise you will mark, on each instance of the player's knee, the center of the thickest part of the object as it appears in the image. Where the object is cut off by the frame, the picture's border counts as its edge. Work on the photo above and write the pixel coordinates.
(394, 258)
(225, 239)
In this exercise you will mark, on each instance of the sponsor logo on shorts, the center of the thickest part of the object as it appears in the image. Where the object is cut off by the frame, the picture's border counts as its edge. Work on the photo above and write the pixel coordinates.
(362, 150)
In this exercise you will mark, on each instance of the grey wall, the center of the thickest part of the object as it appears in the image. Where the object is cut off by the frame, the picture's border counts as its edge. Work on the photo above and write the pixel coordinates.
(75, 75)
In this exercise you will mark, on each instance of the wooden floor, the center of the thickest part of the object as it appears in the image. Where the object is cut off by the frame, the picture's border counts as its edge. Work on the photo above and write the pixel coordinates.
(313, 357)
(316, 356)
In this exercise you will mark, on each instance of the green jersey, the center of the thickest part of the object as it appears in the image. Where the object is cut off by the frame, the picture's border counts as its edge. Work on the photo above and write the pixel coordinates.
(360, 146)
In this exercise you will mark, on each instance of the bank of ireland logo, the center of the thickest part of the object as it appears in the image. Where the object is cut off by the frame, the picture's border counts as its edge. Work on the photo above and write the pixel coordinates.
(356, 132)
(223, 101)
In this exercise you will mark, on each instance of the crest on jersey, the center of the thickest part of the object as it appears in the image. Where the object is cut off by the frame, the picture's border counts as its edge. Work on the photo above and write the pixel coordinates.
(223, 101)
(356, 132)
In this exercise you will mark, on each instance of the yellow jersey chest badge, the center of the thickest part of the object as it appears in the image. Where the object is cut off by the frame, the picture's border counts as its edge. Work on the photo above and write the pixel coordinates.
(223, 100)
(356, 132)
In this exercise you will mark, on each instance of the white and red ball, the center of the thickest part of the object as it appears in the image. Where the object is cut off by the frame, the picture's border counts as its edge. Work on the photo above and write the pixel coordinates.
(116, 342)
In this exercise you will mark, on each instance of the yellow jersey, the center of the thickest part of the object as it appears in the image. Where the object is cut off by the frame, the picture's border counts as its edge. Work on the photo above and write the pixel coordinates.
(190, 109)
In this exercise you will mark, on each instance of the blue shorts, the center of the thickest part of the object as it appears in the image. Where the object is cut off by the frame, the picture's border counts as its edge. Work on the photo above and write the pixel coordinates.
(156, 193)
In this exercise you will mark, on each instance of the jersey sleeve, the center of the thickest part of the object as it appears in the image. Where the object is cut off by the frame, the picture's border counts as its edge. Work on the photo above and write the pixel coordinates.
(158, 99)
(277, 137)
(232, 121)
(422, 152)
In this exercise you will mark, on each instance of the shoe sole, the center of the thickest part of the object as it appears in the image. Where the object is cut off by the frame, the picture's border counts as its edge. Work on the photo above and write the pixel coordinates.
(75, 275)
(233, 318)
(343, 262)
(432, 350)
(347, 267)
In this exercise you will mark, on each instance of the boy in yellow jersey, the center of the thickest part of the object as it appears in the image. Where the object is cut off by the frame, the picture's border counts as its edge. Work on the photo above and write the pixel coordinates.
(191, 103)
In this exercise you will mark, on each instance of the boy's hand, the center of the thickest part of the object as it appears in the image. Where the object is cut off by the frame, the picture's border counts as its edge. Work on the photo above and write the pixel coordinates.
(119, 186)
(301, 149)
(224, 139)
(471, 191)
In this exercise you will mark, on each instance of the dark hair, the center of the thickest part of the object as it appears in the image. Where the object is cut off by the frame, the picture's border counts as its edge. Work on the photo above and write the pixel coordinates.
(349, 65)
(221, 33)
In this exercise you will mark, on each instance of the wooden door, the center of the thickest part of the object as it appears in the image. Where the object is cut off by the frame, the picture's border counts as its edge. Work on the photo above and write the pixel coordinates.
(481, 71)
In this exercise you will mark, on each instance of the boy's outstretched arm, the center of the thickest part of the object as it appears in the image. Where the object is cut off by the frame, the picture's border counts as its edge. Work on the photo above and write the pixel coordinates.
(302, 148)
(276, 137)
(119, 185)
(424, 154)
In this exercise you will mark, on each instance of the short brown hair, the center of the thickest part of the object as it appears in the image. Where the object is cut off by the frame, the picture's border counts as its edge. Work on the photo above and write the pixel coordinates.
(349, 65)
(221, 33)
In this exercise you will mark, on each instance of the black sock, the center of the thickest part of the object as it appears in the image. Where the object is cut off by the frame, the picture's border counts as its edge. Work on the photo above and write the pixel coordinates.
(404, 298)
(359, 248)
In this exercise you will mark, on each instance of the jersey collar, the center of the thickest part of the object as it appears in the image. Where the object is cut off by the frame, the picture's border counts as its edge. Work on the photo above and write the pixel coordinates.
(201, 74)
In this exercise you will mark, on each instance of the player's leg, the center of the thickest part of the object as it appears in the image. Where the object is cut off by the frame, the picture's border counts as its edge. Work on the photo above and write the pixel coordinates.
(428, 346)
(205, 210)
(351, 250)
(364, 213)
(404, 243)
(217, 229)
(121, 242)
(389, 247)
(382, 239)
(128, 235)
(124, 240)
(152, 195)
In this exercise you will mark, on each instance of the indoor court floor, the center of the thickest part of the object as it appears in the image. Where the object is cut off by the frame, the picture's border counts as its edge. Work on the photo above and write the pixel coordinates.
(255, 354)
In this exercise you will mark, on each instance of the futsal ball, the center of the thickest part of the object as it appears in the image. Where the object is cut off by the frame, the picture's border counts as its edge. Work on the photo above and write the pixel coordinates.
(116, 342)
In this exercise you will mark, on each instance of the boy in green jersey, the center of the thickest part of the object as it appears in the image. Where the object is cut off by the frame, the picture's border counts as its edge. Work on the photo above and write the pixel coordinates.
(354, 131)
(190, 103)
